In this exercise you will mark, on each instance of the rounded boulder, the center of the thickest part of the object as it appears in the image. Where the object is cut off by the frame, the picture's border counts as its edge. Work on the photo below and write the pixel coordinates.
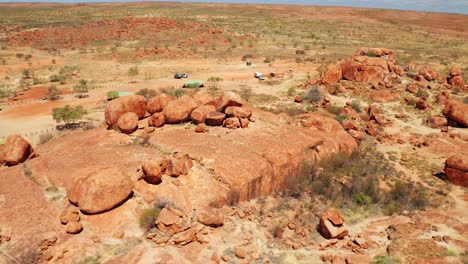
(157, 103)
(128, 123)
(157, 120)
(16, 150)
(199, 114)
(179, 110)
(99, 189)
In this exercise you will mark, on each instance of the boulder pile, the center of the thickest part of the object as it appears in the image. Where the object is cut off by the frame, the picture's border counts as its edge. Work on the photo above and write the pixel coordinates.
(228, 110)
(373, 65)
(455, 78)
(178, 164)
(16, 150)
(178, 228)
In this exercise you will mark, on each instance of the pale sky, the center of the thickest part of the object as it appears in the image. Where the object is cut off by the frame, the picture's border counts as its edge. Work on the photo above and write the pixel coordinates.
(448, 6)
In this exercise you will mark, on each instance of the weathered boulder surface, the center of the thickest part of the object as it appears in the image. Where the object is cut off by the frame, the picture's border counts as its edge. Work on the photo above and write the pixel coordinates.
(157, 120)
(157, 103)
(153, 171)
(98, 189)
(128, 123)
(215, 118)
(120, 106)
(332, 224)
(457, 113)
(199, 114)
(179, 110)
(16, 150)
(240, 112)
(210, 216)
(456, 168)
(228, 99)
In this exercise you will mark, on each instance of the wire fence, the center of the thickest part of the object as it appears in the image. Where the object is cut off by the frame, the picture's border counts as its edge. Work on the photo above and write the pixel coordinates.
(33, 133)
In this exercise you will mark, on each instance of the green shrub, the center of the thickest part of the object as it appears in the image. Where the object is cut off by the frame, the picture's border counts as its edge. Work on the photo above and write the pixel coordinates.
(111, 95)
(148, 217)
(57, 78)
(371, 54)
(313, 94)
(175, 92)
(26, 73)
(133, 71)
(292, 91)
(356, 105)
(386, 259)
(81, 87)
(147, 93)
(334, 109)
(422, 93)
(340, 118)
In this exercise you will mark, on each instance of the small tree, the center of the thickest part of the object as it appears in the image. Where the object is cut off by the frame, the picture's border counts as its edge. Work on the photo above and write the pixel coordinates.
(147, 93)
(53, 93)
(82, 87)
(68, 114)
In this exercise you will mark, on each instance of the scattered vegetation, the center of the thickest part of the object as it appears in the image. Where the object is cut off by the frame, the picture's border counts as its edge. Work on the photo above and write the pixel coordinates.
(354, 181)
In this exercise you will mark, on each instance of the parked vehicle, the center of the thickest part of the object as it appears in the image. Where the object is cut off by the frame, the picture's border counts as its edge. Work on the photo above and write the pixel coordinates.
(180, 75)
(259, 76)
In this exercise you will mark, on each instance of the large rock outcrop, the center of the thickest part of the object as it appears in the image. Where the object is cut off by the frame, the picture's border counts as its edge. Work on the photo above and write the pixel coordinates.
(456, 168)
(120, 106)
(97, 189)
(15, 150)
(371, 65)
(457, 113)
